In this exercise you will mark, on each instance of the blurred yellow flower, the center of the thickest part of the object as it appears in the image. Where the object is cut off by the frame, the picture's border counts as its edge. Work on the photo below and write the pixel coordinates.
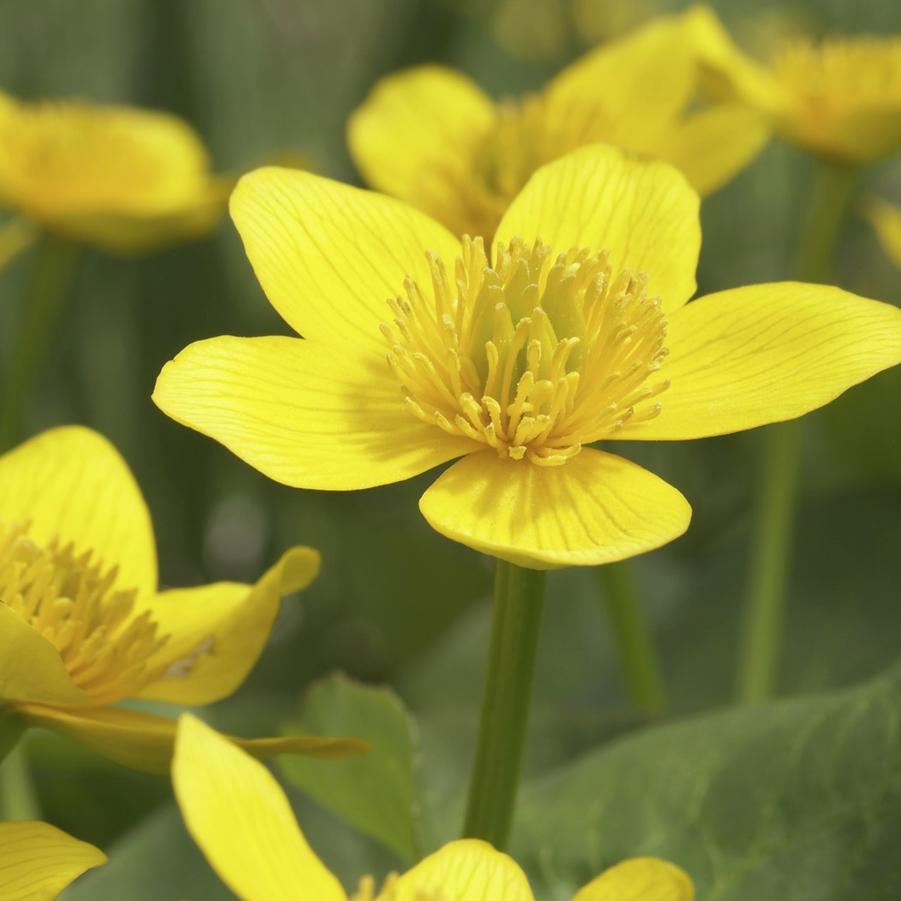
(432, 137)
(839, 97)
(243, 823)
(572, 328)
(886, 220)
(82, 623)
(123, 178)
(37, 861)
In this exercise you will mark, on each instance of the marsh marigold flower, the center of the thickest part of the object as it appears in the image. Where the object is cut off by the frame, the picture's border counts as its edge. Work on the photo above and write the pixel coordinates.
(430, 135)
(839, 97)
(37, 861)
(243, 823)
(123, 178)
(83, 625)
(571, 328)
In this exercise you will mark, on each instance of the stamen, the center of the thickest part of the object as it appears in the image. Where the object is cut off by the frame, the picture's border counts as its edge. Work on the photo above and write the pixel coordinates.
(74, 602)
(535, 356)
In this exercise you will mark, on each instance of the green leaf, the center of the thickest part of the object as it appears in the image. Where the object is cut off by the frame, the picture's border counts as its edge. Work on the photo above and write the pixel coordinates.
(155, 860)
(378, 792)
(798, 800)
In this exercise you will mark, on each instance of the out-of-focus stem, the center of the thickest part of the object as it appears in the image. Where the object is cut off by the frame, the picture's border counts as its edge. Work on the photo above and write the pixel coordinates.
(632, 636)
(780, 464)
(51, 276)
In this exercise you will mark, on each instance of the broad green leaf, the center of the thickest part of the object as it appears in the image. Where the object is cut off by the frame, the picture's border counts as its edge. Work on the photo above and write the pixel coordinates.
(155, 860)
(798, 800)
(377, 792)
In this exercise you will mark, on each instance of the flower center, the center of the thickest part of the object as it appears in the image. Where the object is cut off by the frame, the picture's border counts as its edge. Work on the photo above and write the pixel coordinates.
(535, 355)
(842, 75)
(73, 602)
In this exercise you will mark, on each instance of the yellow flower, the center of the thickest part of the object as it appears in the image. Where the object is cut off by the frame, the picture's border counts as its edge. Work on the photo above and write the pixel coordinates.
(82, 623)
(430, 136)
(37, 861)
(571, 329)
(123, 178)
(839, 97)
(886, 220)
(243, 823)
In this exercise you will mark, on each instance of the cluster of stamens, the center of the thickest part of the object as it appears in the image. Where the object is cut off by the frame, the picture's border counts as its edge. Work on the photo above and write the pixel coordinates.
(535, 355)
(74, 603)
(843, 74)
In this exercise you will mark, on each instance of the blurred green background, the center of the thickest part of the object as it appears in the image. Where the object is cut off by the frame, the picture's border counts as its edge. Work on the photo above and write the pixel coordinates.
(396, 602)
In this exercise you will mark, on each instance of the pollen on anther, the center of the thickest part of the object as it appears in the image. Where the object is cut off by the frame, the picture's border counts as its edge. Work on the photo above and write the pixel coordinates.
(534, 355)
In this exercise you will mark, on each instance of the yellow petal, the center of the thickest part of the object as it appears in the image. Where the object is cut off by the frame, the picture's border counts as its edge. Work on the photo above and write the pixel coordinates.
(713, 145)
(460, 871)
(594, 98)
(217, 632)
(80, 168)
(301, 413)
(15, 236)
(596, 508)
(31, 668)
(727, 73)
(886, 219)
(639, 879)
(71, 483)
(243, 823)
(765, 353)
(329, 256)
(644, 214)
(196, 216)
(442, 116)
(145, 742)
(37, 861)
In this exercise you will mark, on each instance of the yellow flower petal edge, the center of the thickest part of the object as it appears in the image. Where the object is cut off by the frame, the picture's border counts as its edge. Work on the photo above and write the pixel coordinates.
(434, 108)
(301, 413)
(31, 669)
(329, 274)
(886, 220)
(243, 823)
(217, 632)
(595, 98)
(463, 869)
(643, 214)
(128, 235)
(145, 742)
(592, 510)
(71, 483)
(37, 861)
(639, 879)
(766, 353)
(711, 146)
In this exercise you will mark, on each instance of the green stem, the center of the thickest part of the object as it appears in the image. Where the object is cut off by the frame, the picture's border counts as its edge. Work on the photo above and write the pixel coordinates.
(518, 599)
(632, 635)
(17, 797)
(780, 464)
(51, 276)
